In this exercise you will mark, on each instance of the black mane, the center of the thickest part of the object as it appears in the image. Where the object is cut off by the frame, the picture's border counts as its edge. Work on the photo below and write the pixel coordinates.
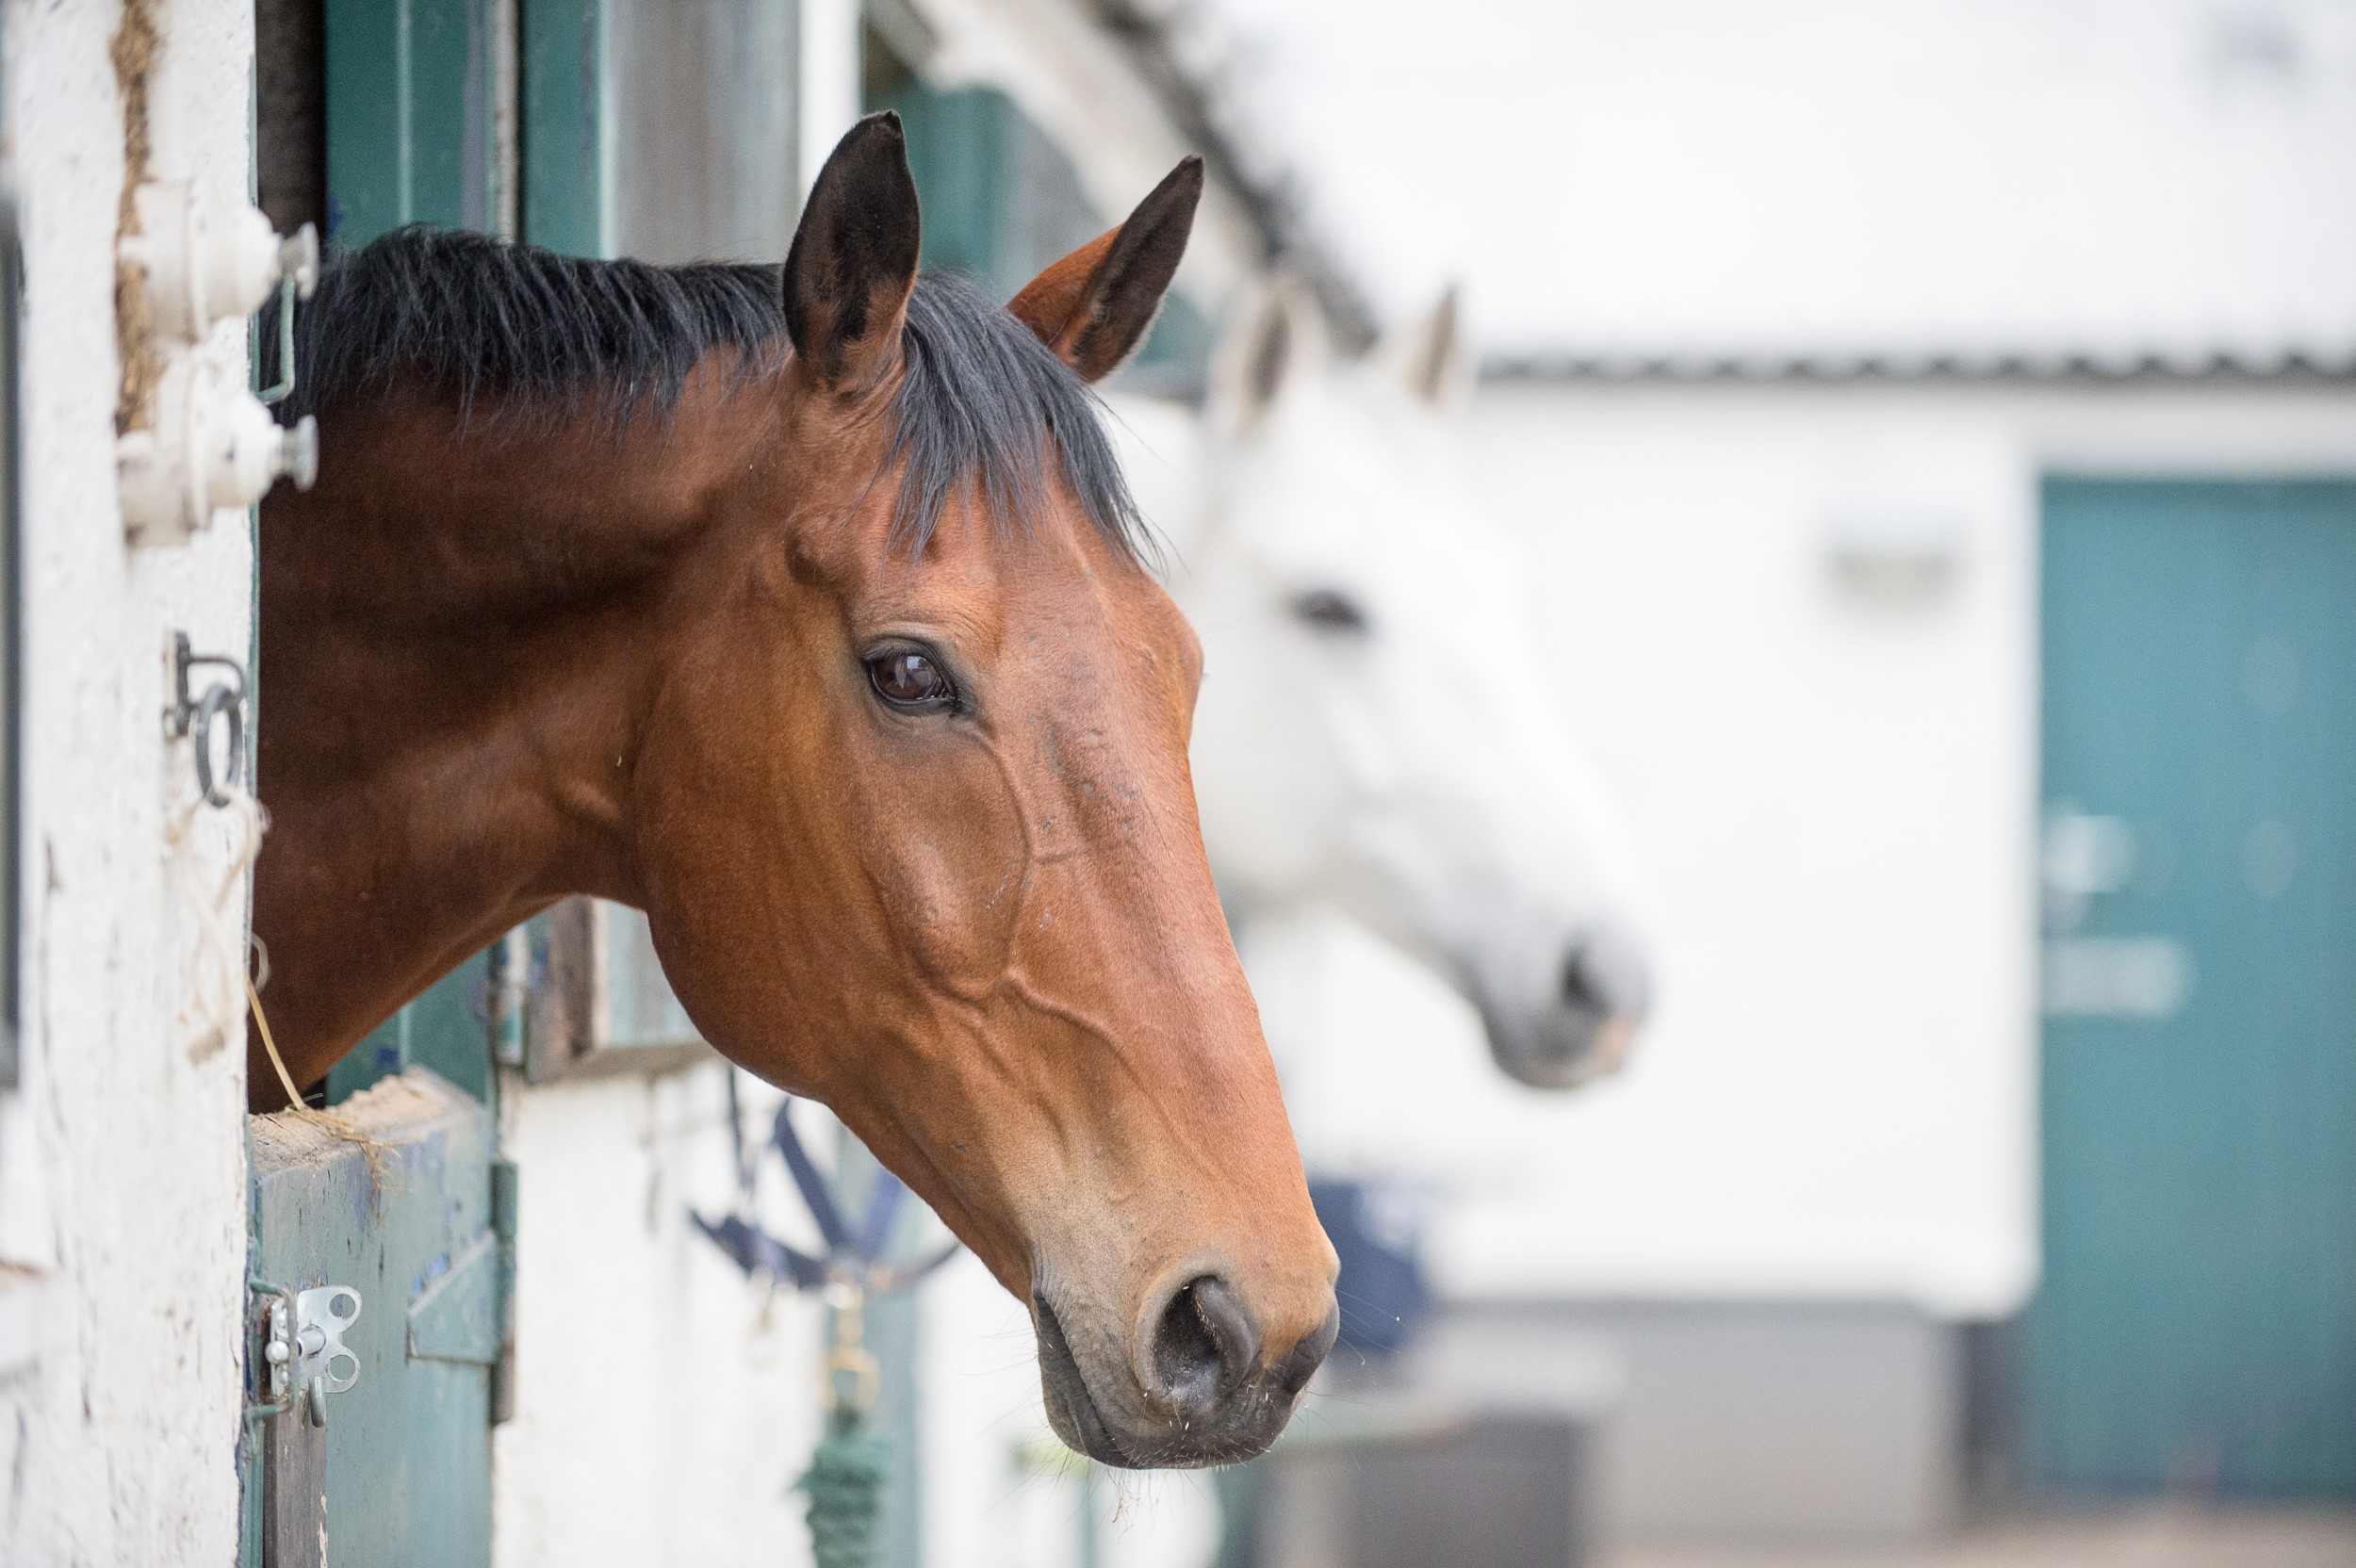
(529, 335)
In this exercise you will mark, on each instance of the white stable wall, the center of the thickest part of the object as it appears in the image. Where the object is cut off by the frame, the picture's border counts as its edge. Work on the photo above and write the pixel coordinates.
(123, 1190)
(661, 1411)
(1835, 800)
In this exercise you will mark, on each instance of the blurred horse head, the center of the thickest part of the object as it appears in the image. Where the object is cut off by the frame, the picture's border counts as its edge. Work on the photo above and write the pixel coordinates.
(1379, 728)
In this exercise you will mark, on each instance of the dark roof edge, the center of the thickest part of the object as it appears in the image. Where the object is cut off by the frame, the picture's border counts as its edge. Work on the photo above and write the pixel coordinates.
(1840, 370)
(1272, 205)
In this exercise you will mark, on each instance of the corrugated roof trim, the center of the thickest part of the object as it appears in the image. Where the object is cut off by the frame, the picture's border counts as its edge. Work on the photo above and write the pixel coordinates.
(2287, 364)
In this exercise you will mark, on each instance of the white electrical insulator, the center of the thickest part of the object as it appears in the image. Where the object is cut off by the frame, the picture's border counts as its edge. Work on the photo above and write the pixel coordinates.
(210, 444)
(208, 260)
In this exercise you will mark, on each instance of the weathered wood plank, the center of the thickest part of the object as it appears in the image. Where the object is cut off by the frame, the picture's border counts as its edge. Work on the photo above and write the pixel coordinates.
(406, 1451)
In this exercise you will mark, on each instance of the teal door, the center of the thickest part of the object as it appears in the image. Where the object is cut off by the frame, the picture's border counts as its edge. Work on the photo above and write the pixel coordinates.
(411, 93)
(400, 1209)
(2196, 1328)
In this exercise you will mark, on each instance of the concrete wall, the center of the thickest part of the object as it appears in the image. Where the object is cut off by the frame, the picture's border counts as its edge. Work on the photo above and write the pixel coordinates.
(1786, 1423)
(121, 1157)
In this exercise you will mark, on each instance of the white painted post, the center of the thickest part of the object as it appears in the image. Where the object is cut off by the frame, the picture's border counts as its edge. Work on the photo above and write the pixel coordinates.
(830, 79)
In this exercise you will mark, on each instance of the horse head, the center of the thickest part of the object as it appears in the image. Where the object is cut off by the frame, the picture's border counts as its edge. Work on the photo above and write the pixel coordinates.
(921, 837)
(1379, 729)
(803, 610)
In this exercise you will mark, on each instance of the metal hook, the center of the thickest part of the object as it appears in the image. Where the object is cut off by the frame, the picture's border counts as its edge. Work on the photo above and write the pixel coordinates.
(218, 702)
(222, 699)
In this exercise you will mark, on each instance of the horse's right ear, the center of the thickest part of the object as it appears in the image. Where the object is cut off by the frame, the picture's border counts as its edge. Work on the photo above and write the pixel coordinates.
(1093, 307)
(852, 265)
(1429, 357)
(1274, 339)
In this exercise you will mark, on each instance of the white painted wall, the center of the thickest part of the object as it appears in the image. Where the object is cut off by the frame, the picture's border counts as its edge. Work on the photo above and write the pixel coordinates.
(123, 1191)
(663, 1410)
(1714, 179)
(981, 1404)
(831, 84)
(1835, 801)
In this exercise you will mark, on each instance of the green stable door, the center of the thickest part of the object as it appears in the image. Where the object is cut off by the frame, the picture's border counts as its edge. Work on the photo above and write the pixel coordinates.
(2195, 1328)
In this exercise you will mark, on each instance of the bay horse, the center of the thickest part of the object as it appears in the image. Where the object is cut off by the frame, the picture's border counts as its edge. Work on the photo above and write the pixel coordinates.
(802, 609)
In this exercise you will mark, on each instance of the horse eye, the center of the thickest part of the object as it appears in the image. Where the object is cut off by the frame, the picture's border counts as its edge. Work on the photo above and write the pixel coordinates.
(905, 678)
(1329, 610)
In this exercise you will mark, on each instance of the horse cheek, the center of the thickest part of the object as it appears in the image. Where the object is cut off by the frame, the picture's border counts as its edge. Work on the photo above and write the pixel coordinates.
(954, 869)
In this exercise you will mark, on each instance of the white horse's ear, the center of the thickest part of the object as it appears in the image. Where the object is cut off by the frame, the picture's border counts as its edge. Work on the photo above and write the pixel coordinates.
(1428, 358)
(1274, 339)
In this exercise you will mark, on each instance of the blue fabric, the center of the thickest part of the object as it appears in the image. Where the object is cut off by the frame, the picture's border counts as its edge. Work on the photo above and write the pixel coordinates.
(1382, 1288)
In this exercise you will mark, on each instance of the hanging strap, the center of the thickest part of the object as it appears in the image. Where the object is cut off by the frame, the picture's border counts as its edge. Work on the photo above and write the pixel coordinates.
(852, 1257)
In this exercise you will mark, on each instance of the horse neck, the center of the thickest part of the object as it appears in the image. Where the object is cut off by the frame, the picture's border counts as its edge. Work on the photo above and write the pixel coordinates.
(462, 635)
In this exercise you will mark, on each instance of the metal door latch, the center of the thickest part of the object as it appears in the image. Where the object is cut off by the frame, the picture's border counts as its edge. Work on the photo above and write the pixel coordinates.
(305, 1353)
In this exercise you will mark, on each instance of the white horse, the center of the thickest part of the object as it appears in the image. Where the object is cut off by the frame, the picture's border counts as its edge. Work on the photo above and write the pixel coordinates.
(1378, 731)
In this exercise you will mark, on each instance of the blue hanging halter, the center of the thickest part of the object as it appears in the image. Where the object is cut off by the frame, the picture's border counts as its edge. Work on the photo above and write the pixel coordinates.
(853, 1258)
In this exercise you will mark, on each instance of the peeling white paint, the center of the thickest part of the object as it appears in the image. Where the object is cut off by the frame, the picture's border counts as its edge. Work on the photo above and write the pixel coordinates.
(122, 1160)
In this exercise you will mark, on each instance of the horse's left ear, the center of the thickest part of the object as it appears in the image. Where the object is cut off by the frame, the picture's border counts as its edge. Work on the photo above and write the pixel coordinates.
(852, 265)
(1429, 357)
(1093, 306)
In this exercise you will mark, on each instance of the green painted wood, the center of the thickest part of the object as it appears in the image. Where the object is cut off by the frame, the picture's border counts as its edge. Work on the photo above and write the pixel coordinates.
(563, 133)
(410, 96)
(447, 1029)
(2196, 1328)
(409, 116)
(365, 121)
(1180, 341)
(1000, 201)
(407, 1467)
(457, 1319)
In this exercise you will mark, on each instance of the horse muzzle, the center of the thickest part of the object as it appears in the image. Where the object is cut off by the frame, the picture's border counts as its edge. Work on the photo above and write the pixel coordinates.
(1577, 1024)
(1200, 1384)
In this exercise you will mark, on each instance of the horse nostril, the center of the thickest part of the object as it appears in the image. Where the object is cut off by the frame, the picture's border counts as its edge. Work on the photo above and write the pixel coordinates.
(1204, 1345)
(1582, 990)
(1294, 1372)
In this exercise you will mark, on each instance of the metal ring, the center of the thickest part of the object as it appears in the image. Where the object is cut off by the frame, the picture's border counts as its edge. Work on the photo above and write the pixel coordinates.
(218, 702)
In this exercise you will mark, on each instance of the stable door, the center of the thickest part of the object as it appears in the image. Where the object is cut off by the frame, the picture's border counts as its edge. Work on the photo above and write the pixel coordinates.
(2195, 1328)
